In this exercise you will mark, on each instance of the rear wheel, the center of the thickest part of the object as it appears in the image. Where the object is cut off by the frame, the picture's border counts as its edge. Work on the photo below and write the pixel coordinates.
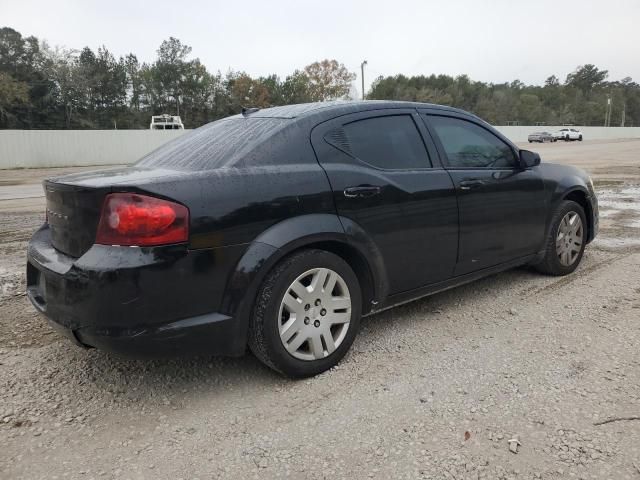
(565, 241)
(306, 315)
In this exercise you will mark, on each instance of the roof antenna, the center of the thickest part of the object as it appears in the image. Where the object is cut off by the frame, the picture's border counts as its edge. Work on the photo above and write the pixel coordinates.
(248, 110)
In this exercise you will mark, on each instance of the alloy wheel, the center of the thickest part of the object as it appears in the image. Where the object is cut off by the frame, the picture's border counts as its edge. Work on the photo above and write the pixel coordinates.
(569, 238)
(314, 314)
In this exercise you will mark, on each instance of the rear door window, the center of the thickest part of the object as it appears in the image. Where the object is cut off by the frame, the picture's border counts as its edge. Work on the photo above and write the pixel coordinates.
(388, 142)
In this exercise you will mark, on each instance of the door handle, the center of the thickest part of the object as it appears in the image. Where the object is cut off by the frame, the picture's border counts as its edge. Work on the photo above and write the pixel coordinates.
(469, 184)
(363, 191)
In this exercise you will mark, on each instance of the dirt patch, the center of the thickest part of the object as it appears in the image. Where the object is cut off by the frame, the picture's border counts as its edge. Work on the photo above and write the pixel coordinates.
(16, 231)
(22, 326)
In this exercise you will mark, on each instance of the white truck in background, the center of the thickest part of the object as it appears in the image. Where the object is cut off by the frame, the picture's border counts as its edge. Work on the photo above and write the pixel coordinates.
(166, 122)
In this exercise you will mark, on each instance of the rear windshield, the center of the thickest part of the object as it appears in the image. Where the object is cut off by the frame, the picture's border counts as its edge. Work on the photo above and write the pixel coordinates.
(215, 145)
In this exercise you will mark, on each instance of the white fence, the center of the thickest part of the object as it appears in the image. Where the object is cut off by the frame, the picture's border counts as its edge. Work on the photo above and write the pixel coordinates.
(70, 148)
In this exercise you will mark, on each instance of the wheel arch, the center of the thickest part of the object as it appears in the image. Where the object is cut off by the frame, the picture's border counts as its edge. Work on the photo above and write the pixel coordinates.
(356, 260)
(321, 231)
(579, 196)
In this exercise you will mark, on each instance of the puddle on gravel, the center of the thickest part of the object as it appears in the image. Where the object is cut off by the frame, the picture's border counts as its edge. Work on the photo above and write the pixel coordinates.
(625, 201)
(618, 242)
(11, 282)
(620, 208)
(633, 224)
(618, 205)
(608, 213)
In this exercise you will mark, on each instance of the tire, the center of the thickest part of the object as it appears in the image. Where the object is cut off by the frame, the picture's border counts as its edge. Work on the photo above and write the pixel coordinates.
(580, 138)
(271, 315)
(530, 141)
(553, 262)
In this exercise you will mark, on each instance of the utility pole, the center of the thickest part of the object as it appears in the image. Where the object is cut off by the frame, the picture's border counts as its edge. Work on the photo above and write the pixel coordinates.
(607, 113)
(624, 113)
(362, 72)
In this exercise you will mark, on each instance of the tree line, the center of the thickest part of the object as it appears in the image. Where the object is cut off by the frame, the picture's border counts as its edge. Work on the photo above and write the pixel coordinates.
(45, 87)
(59, 88)
(584, 98)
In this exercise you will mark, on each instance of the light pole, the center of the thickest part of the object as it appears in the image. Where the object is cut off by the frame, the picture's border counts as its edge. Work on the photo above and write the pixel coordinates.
(607, 114)
(362, 71)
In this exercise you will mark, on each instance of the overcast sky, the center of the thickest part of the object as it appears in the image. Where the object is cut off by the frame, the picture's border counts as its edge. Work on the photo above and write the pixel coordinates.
(493, 41)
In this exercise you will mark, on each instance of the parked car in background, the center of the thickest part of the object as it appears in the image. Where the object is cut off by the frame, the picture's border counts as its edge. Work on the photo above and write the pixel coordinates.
(568, 134)
(541, 137)
(277, 229)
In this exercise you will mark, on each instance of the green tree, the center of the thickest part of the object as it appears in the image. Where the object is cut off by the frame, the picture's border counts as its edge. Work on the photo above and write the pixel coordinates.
(586, 78)
(12, 93)
(295, 88)
(22, 58)
(69, 89)
(131, 67)
(328, 80)
(170, 69)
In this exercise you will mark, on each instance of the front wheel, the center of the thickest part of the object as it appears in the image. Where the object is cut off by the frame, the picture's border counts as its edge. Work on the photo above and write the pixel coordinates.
(566, 240)
(580, 138)
(307, 314)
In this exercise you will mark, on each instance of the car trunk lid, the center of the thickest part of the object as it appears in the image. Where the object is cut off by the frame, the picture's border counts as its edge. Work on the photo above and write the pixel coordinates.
(74, 202)
(73, 212)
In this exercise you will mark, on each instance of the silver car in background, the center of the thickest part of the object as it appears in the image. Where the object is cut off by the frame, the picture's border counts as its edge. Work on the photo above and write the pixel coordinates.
(541, 137)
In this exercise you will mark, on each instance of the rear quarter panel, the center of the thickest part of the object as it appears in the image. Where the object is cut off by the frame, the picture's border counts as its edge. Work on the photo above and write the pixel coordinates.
(233, 205)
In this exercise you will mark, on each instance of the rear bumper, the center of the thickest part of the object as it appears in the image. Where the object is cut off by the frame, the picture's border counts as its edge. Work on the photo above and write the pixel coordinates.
(137, 301)
(210, 334)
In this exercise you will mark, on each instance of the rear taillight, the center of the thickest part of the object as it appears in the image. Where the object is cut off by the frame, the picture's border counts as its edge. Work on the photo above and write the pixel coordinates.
(138, 220)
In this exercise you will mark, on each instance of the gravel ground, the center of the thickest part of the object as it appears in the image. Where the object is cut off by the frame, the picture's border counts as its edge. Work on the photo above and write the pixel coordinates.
(433, 389)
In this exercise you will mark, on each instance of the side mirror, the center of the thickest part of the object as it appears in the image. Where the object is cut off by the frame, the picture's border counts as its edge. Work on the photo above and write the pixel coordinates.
(529, 159)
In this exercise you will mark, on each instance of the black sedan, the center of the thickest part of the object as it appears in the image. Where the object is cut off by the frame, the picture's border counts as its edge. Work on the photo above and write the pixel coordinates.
(541, 137)
(278, 229)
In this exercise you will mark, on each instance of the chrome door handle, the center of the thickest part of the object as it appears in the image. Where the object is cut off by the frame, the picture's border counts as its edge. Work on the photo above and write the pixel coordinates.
(363, 191)
(469, 184)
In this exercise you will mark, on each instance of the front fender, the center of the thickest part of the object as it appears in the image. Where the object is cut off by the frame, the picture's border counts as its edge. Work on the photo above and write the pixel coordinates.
(565, 187)
(561, 180)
